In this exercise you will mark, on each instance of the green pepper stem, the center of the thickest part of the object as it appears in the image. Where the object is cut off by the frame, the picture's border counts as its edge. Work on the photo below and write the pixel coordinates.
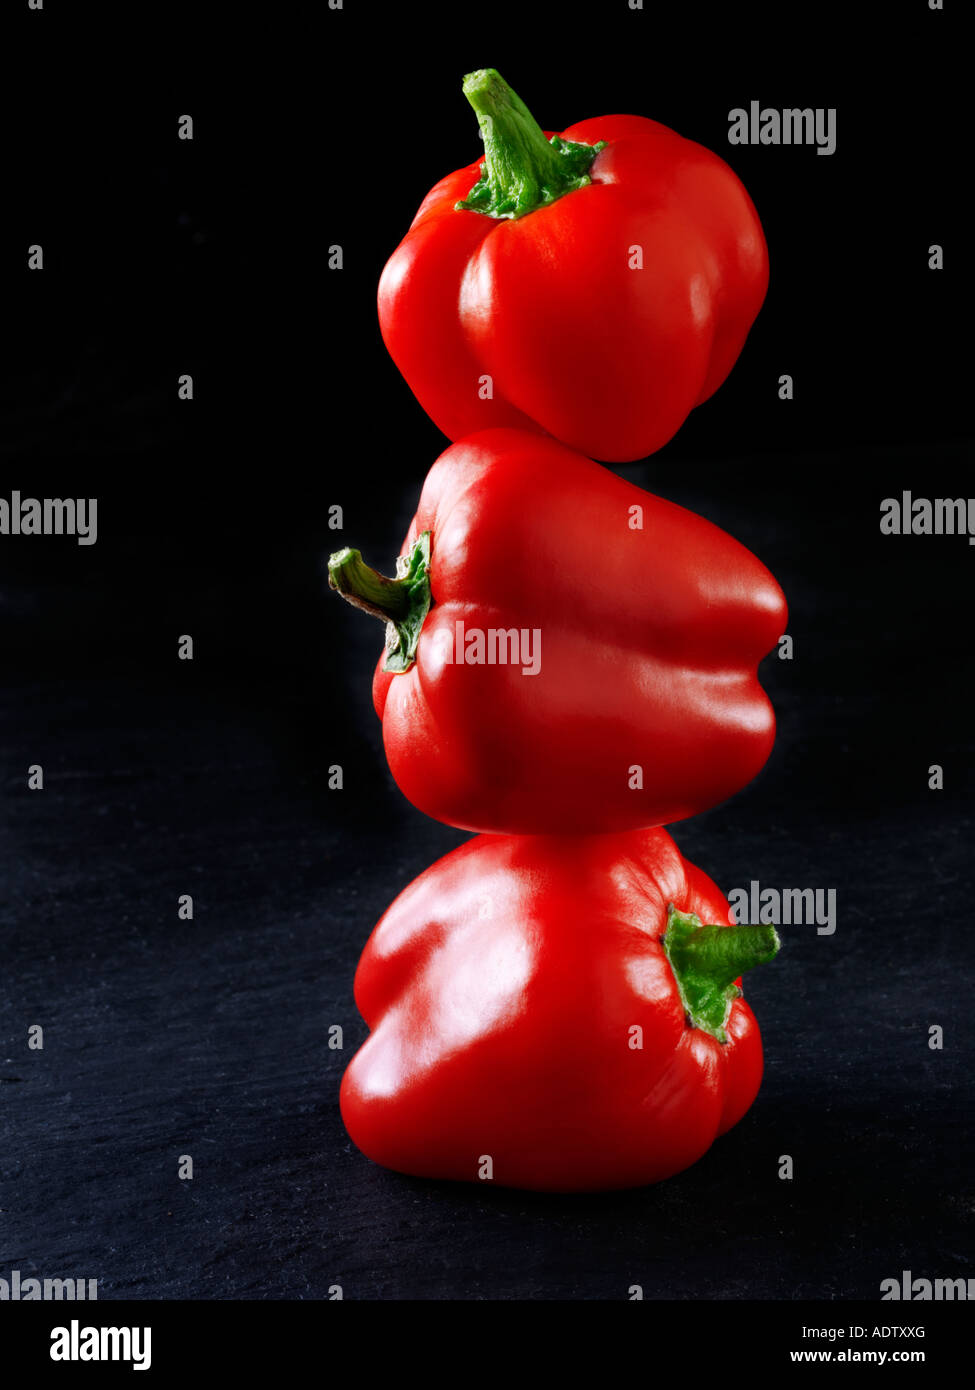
(724, 953)
(707, 960)
(360, 584)
(402, 603)
(522, 171)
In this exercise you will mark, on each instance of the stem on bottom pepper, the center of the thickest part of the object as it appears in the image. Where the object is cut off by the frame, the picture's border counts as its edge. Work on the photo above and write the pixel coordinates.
(522, 171)
(402, 603)
(707, 960)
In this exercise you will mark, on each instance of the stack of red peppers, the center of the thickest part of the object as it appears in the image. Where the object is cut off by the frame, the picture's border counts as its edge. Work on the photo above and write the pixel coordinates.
(570, 663)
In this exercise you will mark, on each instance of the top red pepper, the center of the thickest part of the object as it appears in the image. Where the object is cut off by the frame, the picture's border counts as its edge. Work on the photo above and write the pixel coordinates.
(602, 318)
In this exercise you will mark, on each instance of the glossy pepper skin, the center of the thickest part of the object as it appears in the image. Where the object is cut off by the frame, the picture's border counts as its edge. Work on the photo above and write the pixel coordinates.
(523, 1007)
(646, 706)
(542, 292)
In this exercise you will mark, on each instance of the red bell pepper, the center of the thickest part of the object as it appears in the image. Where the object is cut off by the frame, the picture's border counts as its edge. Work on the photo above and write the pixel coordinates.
(569, 1008)
(646, 624)
(596, 286)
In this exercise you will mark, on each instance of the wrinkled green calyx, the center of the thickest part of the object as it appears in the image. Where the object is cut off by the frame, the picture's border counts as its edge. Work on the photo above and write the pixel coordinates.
(402, 603)
(707, 960)
(522, 171)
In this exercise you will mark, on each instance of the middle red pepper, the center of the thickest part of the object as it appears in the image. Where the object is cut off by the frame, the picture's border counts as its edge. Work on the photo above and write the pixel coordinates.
(566, 652)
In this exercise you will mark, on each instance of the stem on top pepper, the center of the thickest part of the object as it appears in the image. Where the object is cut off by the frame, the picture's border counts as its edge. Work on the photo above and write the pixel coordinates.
(522, 171)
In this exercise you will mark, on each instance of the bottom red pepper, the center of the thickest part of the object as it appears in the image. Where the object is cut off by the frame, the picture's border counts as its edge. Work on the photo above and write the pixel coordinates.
(557, 1013)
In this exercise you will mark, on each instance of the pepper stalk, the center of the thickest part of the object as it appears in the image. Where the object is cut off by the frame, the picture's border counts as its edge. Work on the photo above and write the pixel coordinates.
(522, 171)
(402, 603)
(707, 961)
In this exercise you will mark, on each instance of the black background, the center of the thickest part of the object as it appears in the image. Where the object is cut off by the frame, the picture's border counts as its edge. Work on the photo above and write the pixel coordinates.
(163, 777)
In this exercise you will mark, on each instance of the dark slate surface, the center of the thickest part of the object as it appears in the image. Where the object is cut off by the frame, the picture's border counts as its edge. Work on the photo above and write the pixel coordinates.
(209, 1037)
